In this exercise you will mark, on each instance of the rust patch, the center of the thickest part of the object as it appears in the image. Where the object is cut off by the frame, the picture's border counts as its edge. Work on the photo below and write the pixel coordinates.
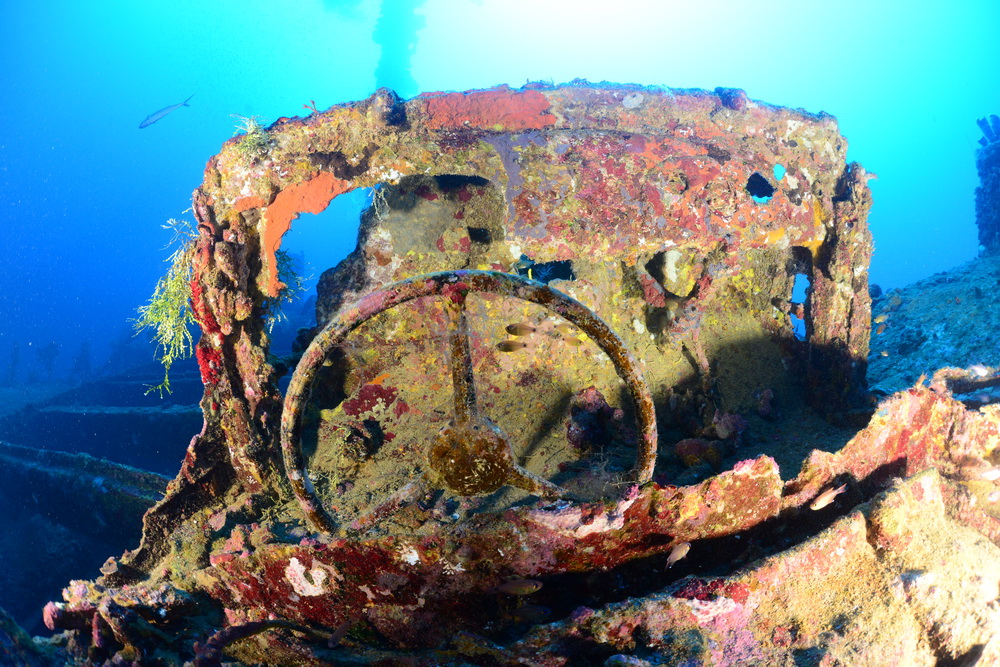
(498, 109)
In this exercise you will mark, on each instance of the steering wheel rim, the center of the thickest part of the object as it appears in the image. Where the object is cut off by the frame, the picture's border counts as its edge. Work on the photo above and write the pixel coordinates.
(454, 285)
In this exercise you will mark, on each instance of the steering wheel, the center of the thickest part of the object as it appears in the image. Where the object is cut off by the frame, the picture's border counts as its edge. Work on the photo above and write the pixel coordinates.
(470, 456)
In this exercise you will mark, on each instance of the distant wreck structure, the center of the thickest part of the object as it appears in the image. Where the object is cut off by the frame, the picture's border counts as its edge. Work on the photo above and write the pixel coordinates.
(988, 192)
(545, 395)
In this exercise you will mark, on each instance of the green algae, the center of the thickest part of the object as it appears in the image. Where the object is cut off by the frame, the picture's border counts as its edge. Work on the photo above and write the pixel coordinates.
(168, 313)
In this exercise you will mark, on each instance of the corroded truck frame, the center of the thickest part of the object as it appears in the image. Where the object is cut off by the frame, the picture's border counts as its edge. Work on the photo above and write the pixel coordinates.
(651, 169)
(636, 145)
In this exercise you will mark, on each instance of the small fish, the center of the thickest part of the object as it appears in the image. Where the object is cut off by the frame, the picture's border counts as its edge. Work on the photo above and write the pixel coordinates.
(573, 341)
(884, 353)
(881, 318)
(153, 117)
(564, 328)
(881, 329)
(520, 587)
(678, 552)
(530, 613)
(993, 497)
(979, 370)
(990, 475)
(827, 497)
(520, 329)
(511, 345)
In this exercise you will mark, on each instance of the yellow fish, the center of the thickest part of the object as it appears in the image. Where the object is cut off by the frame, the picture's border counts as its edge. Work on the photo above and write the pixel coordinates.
(881, 318)
(565, 328)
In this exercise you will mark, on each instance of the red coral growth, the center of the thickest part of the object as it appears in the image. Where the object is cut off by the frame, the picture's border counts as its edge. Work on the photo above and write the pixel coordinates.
(706, 591)
(370, 396)
(488, 109)
(210, 363)
(652, 291)
(202, 313)
(526, 379)
(737, 592)
(426, 193)
(456, 293)
(209, 359)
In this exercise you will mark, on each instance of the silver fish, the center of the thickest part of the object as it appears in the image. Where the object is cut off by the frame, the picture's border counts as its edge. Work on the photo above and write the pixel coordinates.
(153, 117)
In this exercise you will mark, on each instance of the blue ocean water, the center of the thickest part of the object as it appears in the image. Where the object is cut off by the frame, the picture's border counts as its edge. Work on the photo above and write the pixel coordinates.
(84, 191)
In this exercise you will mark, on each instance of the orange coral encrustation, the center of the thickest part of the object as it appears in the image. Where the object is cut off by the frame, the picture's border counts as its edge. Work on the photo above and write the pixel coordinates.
(311, 196)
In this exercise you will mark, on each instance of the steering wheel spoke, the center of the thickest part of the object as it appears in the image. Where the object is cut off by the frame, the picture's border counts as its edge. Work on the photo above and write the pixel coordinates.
(466, 409)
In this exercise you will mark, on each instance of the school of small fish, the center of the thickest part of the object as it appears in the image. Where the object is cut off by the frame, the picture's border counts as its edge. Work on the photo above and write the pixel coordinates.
(564, 331)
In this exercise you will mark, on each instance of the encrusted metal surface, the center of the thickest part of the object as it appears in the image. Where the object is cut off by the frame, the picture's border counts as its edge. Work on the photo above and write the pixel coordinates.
(457, 286)
(677, 218)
